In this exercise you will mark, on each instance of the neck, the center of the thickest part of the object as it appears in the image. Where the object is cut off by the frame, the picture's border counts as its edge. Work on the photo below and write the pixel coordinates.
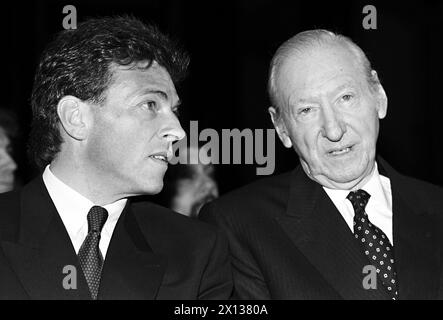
(79, 178)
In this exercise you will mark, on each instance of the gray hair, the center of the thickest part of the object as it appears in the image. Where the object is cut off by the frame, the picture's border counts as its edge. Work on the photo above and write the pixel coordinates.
(309, 39)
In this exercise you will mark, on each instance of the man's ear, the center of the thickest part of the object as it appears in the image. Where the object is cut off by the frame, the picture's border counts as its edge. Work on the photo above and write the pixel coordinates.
(280, 127)
(382, 99)
(74, 116)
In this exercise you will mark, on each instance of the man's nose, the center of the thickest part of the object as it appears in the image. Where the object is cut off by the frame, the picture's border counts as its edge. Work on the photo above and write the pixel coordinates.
(172, 130)
(333, 127)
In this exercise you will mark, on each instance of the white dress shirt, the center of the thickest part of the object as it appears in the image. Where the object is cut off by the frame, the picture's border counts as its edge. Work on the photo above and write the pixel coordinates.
(73, 209)
(379, 207)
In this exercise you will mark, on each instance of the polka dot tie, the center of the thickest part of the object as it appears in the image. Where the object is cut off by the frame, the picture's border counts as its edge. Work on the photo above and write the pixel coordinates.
(89, 255)
(375, 243)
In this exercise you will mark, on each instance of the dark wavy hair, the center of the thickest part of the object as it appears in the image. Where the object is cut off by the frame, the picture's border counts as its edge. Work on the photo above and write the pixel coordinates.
(78, 63)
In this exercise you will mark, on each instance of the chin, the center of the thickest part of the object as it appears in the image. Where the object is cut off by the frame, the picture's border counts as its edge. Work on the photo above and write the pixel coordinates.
(139, 189)
(348, 176)
(149, 182)
(154, 188)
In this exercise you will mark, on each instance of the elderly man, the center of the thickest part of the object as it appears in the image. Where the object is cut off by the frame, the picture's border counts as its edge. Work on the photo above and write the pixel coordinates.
(104, 103)
(344, 224)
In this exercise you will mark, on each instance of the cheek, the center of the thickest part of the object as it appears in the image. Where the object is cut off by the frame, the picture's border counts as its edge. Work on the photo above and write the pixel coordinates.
(307, 140)
(112, 143)
(368, 131)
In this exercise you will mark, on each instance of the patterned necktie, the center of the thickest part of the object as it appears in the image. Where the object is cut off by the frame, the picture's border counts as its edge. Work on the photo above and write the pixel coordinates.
(376, 244)
(89, 255)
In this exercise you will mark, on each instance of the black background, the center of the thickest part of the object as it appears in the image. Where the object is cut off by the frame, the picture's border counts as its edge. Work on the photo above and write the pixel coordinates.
(231, 44)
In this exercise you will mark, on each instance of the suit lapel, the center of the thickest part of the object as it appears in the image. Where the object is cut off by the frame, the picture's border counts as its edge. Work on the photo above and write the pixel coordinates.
(415, 248)
(43, 249)
(321, 234)
(131, 270)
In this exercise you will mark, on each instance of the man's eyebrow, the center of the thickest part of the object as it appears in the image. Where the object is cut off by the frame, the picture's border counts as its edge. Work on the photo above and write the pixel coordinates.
(302, 100)
(313, 98)
(160, 93)
(345, 86)
(296, 101)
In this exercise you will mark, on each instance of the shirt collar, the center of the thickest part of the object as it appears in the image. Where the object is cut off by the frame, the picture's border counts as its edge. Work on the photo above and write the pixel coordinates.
(73, 207)
(374, 187)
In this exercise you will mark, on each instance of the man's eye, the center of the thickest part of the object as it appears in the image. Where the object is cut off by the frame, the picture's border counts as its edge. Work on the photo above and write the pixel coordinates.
(150, 105)
(347, 97)
(305, 110)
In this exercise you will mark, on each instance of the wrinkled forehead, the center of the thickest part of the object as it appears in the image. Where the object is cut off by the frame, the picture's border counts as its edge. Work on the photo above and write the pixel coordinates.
(317, 70)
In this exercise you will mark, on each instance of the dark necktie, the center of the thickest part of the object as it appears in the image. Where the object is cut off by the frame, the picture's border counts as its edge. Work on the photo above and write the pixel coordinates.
(89, 255)
(375, 243)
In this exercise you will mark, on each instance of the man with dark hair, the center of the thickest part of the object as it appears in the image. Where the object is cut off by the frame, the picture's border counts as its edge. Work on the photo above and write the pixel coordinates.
(344, 224)
(104, 103)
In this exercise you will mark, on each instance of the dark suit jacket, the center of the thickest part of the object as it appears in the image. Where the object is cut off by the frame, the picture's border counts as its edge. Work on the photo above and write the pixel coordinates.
(288, 240)
(154, 253)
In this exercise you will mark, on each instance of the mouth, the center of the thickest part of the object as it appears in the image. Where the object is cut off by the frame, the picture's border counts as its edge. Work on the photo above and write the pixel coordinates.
(161, 157)
(340, 150)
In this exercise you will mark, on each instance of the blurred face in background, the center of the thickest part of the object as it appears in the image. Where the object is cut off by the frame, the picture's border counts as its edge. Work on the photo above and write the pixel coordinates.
(193, 192)
(7, 164)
